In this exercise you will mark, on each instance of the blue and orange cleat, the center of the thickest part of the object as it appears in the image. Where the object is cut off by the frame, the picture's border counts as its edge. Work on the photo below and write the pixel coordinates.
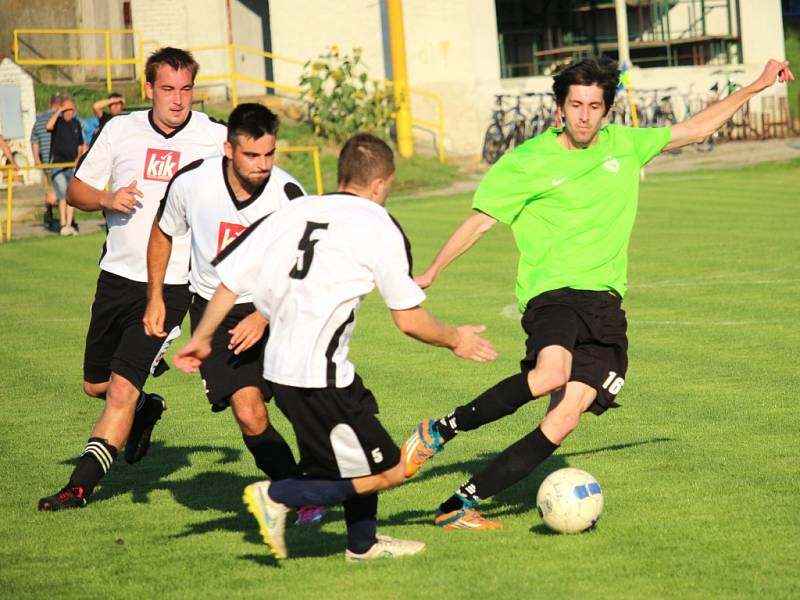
(423, 444)
(465, 518)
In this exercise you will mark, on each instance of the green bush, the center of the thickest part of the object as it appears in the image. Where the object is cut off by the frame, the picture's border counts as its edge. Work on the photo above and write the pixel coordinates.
(343, 99)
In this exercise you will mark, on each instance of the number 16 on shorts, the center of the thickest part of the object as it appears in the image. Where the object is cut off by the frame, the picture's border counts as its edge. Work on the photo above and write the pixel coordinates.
(613, 384)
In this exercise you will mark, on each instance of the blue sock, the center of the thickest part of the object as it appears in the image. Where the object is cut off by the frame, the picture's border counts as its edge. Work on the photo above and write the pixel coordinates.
(360, 514)
(302, 492)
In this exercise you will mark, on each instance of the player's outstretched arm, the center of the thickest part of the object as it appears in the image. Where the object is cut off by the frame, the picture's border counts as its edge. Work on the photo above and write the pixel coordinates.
(159, 249)
(464, 341)
(462, 239)
(190, 357)
(703, 124)
(85, 197)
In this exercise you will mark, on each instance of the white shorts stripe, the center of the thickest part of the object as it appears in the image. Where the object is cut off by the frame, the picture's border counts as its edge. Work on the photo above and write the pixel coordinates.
(350, 457)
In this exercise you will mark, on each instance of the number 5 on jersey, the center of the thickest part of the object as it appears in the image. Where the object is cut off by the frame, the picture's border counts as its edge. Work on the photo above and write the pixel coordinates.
(305, 249)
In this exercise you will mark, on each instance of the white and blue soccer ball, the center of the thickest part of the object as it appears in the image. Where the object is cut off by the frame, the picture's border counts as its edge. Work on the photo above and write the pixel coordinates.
(570, 501)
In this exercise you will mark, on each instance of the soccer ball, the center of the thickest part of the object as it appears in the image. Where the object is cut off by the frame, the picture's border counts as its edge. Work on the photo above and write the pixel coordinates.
(569, 501)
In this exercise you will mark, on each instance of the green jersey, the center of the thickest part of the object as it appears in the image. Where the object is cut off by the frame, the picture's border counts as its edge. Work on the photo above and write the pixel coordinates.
(571, 211)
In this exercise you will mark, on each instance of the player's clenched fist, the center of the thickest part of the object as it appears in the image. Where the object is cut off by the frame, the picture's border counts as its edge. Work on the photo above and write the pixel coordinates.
(123, 200)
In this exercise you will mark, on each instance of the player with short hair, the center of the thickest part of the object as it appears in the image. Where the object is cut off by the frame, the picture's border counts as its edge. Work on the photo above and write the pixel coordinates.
(309, 266)
(569, 196)
(216, 199)
(136, 155)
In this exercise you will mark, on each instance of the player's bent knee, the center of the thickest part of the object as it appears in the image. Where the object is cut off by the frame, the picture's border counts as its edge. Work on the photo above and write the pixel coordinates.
(95, 390)
(545, 381)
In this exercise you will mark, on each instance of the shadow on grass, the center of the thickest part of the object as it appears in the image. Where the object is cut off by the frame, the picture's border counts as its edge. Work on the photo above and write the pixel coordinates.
(221, 491)
(217, 491)
(518, 499)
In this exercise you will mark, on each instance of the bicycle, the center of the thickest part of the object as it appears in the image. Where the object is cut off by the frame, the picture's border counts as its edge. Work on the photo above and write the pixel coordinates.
(508, 127)
(544, 116)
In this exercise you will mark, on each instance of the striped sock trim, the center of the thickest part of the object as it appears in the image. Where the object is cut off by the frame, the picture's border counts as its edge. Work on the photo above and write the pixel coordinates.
(101, 453)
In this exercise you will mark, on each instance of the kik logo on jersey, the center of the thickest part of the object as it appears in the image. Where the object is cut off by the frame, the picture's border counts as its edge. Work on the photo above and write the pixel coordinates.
(227, 233)
(161, 165)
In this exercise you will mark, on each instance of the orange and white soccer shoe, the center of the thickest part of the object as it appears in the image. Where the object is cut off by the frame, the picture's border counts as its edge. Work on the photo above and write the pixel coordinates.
(423, 444)
(464, 518)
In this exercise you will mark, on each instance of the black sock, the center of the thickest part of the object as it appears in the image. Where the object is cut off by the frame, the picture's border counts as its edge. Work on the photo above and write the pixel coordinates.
(319, 492)
(507, 468)
(361, 516)
(93, 464)
(271, 453)
(500, 400)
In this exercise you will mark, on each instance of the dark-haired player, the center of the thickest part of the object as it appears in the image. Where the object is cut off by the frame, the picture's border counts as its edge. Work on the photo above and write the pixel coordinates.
(136, 155)
(309, 266)
(215, 199)
(569, 196)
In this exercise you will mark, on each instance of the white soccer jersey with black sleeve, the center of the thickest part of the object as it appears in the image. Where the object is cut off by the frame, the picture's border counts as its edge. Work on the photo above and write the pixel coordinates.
(200, 199)
(308, 267)
(132, 148)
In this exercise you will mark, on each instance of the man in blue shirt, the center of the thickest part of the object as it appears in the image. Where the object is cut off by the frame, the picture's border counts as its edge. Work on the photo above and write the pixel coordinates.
(40, 145)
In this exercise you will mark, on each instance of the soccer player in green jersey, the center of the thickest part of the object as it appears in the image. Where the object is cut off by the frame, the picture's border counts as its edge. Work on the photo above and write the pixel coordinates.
(569, 196)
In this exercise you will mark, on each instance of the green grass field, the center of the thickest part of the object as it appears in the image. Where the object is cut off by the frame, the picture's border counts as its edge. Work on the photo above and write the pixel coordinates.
(699, 467)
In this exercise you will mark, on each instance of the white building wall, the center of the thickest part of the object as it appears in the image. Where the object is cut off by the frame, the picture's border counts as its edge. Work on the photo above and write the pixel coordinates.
(12, 75)
(190, 25)
(247, 31)
(762, 31)
(451, 50)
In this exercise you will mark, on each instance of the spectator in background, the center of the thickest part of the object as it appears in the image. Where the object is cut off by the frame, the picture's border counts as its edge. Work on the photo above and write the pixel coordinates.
(115, 103)
(40, 145)
(66, 145)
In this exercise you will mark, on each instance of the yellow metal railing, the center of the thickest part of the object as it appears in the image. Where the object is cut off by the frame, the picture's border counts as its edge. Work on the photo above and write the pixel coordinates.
(107, 60)
(9, 177)
(231, 76)
(437, 125)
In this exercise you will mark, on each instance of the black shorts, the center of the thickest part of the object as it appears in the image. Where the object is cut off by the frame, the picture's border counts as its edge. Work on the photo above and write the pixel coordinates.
(224, 372)
(592, 326)
(337, 430)
(116, 341)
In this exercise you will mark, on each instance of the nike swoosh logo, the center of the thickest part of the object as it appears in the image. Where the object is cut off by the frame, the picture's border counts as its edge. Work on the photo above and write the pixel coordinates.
(558, 182)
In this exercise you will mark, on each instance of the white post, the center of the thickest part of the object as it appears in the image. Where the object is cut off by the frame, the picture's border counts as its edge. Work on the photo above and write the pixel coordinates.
(622, 33)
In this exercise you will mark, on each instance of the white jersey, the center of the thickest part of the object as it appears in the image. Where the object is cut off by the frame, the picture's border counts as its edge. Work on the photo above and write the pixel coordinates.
(201, 200)
(132, 148)
(308, 267)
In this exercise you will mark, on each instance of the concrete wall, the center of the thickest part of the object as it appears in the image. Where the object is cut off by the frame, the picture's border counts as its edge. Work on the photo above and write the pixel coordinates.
(202, 23)
(42, 14)
(247, 25)
(762, 31)
(451, 50)
(105, 14)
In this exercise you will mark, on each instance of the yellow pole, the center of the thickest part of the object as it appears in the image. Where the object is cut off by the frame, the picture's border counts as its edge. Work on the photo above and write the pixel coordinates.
(632, 102)
(8, 204)
(405, 137)
(108, 61)
(317, 170)
(141, 66)
(232, 73)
